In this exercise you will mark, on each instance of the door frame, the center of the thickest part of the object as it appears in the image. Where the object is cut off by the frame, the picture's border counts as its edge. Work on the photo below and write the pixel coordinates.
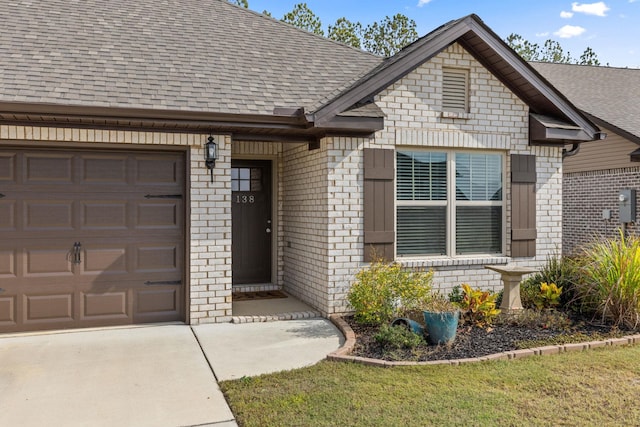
(275, 223)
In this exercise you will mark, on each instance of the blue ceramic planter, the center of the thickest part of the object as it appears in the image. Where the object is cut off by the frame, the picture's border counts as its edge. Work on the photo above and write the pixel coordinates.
(441, 326)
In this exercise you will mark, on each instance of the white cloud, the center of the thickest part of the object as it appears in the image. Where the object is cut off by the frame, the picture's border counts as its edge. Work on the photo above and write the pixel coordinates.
(566, 15)
(423, 2)
(598, 9)
(569, 31)
(545, 34)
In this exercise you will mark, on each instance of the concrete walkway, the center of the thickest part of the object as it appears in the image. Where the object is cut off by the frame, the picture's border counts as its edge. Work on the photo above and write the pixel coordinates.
(146, 376)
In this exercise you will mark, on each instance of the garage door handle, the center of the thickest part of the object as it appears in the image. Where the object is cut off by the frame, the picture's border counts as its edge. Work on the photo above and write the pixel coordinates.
(76, 256)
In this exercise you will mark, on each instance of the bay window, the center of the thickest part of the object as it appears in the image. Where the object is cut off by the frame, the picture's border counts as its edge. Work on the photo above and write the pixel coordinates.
(449, 203)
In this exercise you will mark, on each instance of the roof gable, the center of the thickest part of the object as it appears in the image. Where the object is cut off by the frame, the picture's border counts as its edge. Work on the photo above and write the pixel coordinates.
(481, 42)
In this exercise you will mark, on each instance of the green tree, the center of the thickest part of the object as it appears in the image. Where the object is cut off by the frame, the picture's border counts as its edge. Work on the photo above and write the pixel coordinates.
(266, 13)
(551, 51)
(345, 31)
(589, 57)
(389, 35)
(243, 3)
(302, 17)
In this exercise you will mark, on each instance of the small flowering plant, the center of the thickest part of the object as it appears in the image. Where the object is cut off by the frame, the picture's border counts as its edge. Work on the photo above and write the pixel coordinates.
(548, 296)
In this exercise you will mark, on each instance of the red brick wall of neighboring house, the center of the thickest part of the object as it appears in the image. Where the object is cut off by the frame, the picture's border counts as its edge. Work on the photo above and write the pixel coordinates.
(585, 196)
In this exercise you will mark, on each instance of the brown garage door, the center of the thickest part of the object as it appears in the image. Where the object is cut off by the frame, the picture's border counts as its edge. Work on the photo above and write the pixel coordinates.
(90, 238)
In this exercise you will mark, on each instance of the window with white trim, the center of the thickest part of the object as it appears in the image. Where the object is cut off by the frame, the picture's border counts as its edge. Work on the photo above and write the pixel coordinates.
(449, 203)
(455, 90)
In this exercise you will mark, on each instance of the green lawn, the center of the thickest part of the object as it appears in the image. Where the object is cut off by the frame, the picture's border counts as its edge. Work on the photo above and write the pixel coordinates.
(597, 387)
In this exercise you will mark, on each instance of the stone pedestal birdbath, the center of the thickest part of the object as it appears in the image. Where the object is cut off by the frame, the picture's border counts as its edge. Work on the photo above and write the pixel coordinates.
(511, 276)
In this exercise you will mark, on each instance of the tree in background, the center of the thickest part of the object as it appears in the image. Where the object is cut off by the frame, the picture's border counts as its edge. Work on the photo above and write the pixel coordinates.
(551, 51)
(345, 31)
(302, 17)
(385, 37)
(390, 35)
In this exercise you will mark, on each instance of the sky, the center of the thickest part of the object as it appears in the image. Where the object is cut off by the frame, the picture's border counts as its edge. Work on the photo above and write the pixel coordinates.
(610, 28)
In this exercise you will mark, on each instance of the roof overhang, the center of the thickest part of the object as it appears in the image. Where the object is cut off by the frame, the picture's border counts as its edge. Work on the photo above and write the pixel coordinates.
(285, 125)
(545, 130)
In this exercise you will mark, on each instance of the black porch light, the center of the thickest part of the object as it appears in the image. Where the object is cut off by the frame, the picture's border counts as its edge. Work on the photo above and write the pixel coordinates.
(210, 154)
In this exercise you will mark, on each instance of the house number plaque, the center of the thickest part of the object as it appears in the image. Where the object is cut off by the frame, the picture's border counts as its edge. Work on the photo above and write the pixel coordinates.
(244, 199)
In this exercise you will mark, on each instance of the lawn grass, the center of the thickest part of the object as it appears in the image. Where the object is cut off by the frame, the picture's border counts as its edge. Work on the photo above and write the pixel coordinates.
(597, 387)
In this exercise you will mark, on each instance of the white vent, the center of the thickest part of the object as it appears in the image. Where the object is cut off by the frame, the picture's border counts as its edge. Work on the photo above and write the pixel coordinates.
(454, 90)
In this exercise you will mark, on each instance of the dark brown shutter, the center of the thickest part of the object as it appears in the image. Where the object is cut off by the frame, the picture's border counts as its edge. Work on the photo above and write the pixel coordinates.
(379, 204)
(523, 205)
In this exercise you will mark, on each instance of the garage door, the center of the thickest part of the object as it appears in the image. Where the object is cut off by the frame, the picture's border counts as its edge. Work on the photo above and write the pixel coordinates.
(90, 238)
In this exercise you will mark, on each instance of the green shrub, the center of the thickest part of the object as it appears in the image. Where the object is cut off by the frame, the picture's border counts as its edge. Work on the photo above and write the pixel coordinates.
(384, 290)
(610, 284)
(478, 306)
(396, 338)
(456, 294)
(548, 296)
(563, 271)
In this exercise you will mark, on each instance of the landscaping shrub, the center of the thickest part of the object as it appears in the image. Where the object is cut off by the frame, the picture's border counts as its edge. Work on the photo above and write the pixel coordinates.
(610, 284)
(563, 271)
(456, 294)
(397, 337)
(548, 296)
(478, 306)
(384, 290)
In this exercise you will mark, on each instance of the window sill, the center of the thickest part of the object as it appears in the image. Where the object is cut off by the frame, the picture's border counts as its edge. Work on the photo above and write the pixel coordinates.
(455, 115)
(454, 262)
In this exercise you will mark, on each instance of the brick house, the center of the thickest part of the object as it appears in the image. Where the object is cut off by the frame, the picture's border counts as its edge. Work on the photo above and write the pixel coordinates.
(597, 171)
(447, 155)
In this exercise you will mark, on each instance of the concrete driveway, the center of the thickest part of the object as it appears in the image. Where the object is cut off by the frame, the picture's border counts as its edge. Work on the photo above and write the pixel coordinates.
(143, 376)
(147, 376)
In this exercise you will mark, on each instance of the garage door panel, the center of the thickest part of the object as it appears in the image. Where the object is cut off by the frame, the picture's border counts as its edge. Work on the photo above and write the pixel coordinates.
(159, 215)
(8, 263)
(8, 215)
(157, 301)
(160, 258)
(104, 169)
(157, 171)
(108, 305)
(48, 168)
(8, 168)
(102, 215)
(48, 262)
(48, 215)
(7, 310)
(49, 308)
(101, 260)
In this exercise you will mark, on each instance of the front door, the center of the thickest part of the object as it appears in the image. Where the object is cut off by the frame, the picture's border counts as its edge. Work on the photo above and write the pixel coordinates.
(251, 221)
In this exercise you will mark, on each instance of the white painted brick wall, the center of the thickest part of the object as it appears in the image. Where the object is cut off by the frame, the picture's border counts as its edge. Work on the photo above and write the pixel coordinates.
(497, 120)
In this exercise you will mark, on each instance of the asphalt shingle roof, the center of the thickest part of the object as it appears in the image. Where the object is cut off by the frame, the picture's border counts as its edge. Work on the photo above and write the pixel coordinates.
(190, 55)
(609, 94)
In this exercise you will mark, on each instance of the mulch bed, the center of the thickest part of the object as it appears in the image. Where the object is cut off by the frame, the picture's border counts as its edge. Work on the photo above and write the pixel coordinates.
(476, 342)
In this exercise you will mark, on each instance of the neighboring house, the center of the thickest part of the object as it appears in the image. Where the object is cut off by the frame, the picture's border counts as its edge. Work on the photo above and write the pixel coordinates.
(594, 176)
(110, 216)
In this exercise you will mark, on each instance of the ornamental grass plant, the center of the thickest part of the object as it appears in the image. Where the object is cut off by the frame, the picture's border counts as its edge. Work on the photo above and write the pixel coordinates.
(610, 282)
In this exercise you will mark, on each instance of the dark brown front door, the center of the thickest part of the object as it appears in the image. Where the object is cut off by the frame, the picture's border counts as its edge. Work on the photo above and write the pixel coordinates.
(251, 221)
(90, 238)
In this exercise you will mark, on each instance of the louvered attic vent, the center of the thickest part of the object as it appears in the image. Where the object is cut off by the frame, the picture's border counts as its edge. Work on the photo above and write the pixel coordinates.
(454, 90)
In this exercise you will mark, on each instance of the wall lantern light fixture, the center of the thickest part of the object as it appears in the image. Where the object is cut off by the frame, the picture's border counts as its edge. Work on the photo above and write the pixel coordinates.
(210, 154)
